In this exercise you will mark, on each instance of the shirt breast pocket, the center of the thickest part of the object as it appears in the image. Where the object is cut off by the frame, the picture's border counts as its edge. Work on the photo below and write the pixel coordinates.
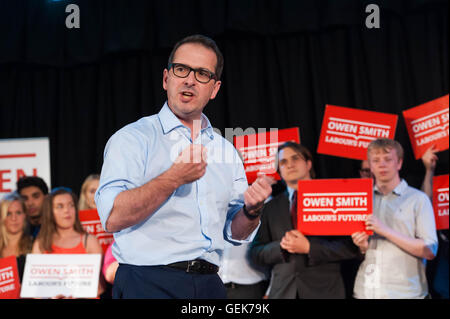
(404, 220)
(219, 186)
(221, 196)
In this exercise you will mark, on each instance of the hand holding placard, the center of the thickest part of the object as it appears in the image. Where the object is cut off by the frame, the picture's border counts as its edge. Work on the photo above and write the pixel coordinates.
(361, 239)
(295, 242)
(375, 225)
(429, 158)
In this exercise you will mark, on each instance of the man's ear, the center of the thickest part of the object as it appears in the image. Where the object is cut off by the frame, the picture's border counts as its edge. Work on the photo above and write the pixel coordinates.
(215, 90)
(165, 77)
(400, 164)
(309, 164)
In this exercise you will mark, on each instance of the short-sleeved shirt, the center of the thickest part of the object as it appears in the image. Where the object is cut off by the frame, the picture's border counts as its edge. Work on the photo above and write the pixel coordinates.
(195, 220)
(389, 272)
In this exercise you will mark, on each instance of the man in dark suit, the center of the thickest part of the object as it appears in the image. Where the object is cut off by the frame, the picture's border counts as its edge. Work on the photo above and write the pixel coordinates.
(302, 266)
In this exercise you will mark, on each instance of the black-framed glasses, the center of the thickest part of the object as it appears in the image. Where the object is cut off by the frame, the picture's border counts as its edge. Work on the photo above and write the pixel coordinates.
(182, 71)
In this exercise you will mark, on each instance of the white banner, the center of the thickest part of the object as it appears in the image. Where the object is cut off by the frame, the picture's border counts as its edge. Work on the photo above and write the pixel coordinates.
(23, 157)
(49, 275)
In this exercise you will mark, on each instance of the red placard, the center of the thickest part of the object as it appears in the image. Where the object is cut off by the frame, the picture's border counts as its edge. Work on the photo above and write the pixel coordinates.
(334, 206)
(347, 132)
(9, 278)
(440, 201)
(427, 124)
(259, 151)
(91, 223)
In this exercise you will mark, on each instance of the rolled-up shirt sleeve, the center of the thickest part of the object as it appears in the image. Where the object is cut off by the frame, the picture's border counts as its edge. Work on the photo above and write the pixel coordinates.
(240, 185)
(425, 223)
(123, 167)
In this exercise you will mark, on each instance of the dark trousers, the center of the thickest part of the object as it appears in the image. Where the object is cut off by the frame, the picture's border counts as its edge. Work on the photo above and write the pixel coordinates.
(163, 282)
(255, 291)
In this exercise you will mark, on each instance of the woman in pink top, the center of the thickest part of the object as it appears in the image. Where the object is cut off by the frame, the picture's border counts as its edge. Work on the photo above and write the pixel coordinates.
(110, 265)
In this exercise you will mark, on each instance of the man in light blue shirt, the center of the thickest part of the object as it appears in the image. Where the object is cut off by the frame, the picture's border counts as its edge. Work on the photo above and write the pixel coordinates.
(172, 190)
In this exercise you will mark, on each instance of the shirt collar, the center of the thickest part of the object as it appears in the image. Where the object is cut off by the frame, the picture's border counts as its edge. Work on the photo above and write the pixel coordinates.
(169, 121)
(206, 126)
(290, 193)
(398, 190)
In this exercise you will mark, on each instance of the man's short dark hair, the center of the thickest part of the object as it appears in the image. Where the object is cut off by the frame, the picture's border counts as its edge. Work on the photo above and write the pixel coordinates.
(207, 43)
(300, 149)
(28, 181)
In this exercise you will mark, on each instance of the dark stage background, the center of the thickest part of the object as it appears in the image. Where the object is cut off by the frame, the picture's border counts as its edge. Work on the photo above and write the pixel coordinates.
(284, 60)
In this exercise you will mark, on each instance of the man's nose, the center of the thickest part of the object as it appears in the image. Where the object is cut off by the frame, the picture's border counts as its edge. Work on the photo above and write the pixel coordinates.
(292, 161)
(190, 79)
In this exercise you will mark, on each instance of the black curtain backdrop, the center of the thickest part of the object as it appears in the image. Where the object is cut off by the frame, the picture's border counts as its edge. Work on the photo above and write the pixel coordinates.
(284, 60)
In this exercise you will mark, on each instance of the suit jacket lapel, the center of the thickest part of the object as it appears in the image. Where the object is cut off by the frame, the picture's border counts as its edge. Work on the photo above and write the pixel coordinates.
(283, 215)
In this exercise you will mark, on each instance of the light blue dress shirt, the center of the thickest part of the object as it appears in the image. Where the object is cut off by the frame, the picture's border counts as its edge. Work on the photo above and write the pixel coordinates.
(195, 220)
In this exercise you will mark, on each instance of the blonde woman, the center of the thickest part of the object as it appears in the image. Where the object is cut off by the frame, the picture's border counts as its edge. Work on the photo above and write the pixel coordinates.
(14, 240)
(87, 192)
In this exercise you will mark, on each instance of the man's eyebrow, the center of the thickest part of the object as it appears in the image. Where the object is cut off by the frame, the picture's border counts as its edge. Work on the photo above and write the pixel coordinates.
(298, 155)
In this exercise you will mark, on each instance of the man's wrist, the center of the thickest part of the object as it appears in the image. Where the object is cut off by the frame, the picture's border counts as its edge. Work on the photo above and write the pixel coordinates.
(253, 215)
(171, 179)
